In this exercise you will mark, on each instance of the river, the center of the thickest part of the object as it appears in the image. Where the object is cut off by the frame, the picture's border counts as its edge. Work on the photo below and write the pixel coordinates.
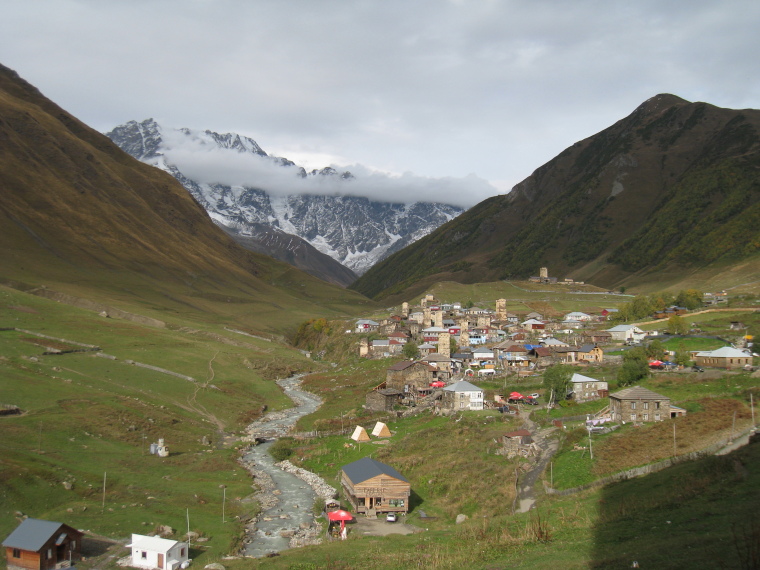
(287, 501)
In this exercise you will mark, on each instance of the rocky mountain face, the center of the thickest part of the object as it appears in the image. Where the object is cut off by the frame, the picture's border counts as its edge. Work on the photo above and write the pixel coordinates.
(355, 231)
(672, 188)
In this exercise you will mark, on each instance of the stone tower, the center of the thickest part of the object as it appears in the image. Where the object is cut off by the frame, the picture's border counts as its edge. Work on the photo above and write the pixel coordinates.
(427, 319)
(438, 319)
(543, 273)
(464, 337)
(363, 347)
(501, 309)
(444, 344)
(405, 309)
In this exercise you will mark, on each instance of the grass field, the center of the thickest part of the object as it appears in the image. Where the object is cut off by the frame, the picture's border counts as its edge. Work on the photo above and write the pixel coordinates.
(87, 418)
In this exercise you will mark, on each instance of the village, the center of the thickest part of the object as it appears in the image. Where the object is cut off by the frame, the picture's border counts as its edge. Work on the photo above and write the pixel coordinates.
(447, 360)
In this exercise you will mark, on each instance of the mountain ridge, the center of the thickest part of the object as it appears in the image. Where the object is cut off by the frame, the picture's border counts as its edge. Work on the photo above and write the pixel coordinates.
(353, 230)
(82, 216)
(673, 184)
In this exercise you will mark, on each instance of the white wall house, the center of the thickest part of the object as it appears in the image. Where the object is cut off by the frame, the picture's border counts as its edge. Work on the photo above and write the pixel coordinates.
(155, 552)
(626, 333)
(464, 396)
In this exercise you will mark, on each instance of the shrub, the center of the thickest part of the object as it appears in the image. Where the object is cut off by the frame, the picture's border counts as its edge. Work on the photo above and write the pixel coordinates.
(282, 449)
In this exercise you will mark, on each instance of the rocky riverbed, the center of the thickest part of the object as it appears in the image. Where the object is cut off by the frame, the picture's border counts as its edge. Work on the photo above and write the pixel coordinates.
(286, 493)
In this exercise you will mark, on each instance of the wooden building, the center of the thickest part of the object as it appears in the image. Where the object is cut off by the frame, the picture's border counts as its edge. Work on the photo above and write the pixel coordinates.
(373, 487)
(41, 545)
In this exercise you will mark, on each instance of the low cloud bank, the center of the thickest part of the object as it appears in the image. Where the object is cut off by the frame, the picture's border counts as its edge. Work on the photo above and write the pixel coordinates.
(212, 165)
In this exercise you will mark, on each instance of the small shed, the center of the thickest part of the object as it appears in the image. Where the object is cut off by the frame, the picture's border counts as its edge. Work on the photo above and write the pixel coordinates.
(156, 552)
(381, 430)
(360, 434)
(39, 545)
(519, 442)
(383, 399)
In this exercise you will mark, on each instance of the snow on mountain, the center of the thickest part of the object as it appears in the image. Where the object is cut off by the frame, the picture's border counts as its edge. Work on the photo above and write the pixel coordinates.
(356, 231)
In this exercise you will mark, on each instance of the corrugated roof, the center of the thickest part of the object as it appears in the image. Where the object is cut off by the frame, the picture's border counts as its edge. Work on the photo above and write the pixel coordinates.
(152, 543)
(518, 433)
(463, 386)
(638, 393)
(367, 468)
(32, 534)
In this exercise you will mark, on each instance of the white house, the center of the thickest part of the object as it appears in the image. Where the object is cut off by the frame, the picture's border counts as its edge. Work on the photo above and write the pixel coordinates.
(578, 316)
(155, 552)
(366, 325)
(463, 396)
(626, 332)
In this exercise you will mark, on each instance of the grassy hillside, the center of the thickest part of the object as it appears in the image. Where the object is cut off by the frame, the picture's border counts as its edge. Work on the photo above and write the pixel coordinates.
(87, 416)
(672, 187)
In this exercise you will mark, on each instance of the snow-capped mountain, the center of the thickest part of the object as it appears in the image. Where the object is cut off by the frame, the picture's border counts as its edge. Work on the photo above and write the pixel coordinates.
(356, 231)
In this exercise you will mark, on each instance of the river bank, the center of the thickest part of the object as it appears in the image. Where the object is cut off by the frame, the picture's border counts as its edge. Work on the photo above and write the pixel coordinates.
(286, 493)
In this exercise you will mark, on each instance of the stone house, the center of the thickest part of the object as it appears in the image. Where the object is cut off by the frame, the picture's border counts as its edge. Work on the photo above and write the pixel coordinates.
(637, 404)
(410, 377)
(519, 442)
(383, 399)
(725, 357)
(586, 388)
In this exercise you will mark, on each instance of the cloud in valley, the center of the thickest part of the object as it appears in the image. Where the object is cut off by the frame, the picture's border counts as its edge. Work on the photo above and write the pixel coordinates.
(230, 167)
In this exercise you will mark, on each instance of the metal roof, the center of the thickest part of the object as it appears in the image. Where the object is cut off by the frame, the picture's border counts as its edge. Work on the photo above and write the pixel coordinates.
(638, 393)
(367, 468)
(152, 543)
(463, 386)
(32, 534)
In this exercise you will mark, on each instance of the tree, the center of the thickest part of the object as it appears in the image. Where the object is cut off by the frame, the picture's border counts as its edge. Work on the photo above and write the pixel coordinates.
(452, 345)
(683, 357)
(689, 298)
(410, 349)
(557, 381)
(677, 325)
(631, 372)
(655, 350)
(635, 367)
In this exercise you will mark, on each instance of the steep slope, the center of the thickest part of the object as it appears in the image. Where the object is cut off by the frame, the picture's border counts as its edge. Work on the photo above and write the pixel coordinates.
(292, 249)
(79, 215)
(675, 186)
(355, 231)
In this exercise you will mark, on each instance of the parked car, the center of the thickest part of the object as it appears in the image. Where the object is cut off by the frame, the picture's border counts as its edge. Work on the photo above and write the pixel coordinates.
(696, 368)
(531, 401)
(535, 395)
(391, 517)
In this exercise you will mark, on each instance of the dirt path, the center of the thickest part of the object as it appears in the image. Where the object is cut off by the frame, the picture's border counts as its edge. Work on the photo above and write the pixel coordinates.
(526, 485)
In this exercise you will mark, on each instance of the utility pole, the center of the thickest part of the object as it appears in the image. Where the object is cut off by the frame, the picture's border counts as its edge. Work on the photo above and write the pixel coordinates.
(103, 506)
(590, 449)
(224, 500)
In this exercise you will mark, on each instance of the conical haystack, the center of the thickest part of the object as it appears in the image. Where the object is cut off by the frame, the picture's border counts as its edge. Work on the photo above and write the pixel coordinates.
(381, 430)
(360, 434)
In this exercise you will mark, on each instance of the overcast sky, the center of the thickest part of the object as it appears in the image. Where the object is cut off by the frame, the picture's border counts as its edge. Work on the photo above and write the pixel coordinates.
(429, 91)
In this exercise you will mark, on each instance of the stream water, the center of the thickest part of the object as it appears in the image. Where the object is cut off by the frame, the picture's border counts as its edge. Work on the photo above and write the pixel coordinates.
(292, 498)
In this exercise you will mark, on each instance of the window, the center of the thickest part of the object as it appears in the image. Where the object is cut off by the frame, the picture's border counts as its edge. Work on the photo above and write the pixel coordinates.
(182, 552)
(633, 405)
(50, 553)
(73, 545)
(633, 417)
(16, 553)
(657, 405)
(657, 417)
(144, 555)
(645, 417)
(646, 405)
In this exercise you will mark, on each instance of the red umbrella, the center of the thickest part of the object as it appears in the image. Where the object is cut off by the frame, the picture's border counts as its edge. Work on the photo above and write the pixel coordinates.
(341, 516)
(656, 363)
